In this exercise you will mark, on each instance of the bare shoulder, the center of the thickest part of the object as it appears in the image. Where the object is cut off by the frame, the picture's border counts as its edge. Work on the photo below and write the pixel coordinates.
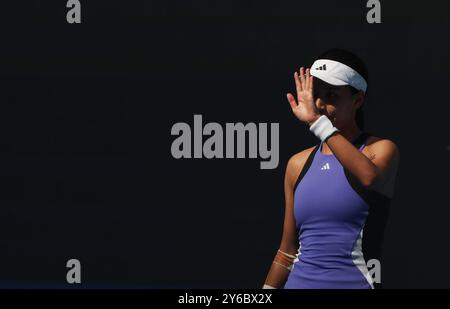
(380, 146)
(296, 163)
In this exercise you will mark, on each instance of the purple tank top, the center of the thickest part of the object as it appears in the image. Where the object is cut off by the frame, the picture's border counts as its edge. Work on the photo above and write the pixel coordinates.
(340, 225)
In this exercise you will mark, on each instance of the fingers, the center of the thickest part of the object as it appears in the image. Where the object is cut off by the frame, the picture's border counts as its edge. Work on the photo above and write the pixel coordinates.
(303, 82)
(298, 84)
(302, 78)
(291, 100)
(307, 79)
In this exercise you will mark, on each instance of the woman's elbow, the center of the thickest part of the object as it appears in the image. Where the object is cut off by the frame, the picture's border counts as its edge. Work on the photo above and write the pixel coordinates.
(370, 181)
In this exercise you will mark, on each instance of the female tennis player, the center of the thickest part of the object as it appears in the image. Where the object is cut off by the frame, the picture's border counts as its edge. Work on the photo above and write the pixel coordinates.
(337, 193)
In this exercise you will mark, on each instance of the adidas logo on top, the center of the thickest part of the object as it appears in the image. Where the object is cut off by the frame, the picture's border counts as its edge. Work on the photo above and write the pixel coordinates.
(322, 67)
(326, 166)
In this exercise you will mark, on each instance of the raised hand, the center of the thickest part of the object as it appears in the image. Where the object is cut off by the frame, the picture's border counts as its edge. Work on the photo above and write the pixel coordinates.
(305, 110)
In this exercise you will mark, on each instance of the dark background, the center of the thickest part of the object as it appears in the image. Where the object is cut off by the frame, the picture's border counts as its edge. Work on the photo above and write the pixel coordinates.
(85, 118)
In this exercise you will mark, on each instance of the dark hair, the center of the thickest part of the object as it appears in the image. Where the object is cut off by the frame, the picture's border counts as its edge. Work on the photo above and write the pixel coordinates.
(353, 61)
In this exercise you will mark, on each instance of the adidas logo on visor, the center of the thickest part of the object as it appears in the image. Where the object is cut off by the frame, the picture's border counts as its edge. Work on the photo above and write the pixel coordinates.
(322, 67)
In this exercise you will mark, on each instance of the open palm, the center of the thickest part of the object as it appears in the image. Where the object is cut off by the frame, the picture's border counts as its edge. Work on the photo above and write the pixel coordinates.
(305, 110)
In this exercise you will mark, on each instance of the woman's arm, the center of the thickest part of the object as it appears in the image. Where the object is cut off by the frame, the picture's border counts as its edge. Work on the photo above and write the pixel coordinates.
(372, 172)
(278, 274)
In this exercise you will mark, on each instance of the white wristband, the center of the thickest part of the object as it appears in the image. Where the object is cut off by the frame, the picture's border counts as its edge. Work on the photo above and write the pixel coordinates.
(268, 287)
(322, 128)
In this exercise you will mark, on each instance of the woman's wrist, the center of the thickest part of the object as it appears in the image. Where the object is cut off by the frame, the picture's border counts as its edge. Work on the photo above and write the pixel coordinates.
(322, 128)
(314, 120)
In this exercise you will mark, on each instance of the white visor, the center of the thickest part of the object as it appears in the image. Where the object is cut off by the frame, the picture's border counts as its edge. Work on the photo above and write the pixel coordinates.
(337, 74)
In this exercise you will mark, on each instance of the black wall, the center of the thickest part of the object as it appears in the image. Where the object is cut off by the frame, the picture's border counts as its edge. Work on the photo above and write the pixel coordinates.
(86, 112)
